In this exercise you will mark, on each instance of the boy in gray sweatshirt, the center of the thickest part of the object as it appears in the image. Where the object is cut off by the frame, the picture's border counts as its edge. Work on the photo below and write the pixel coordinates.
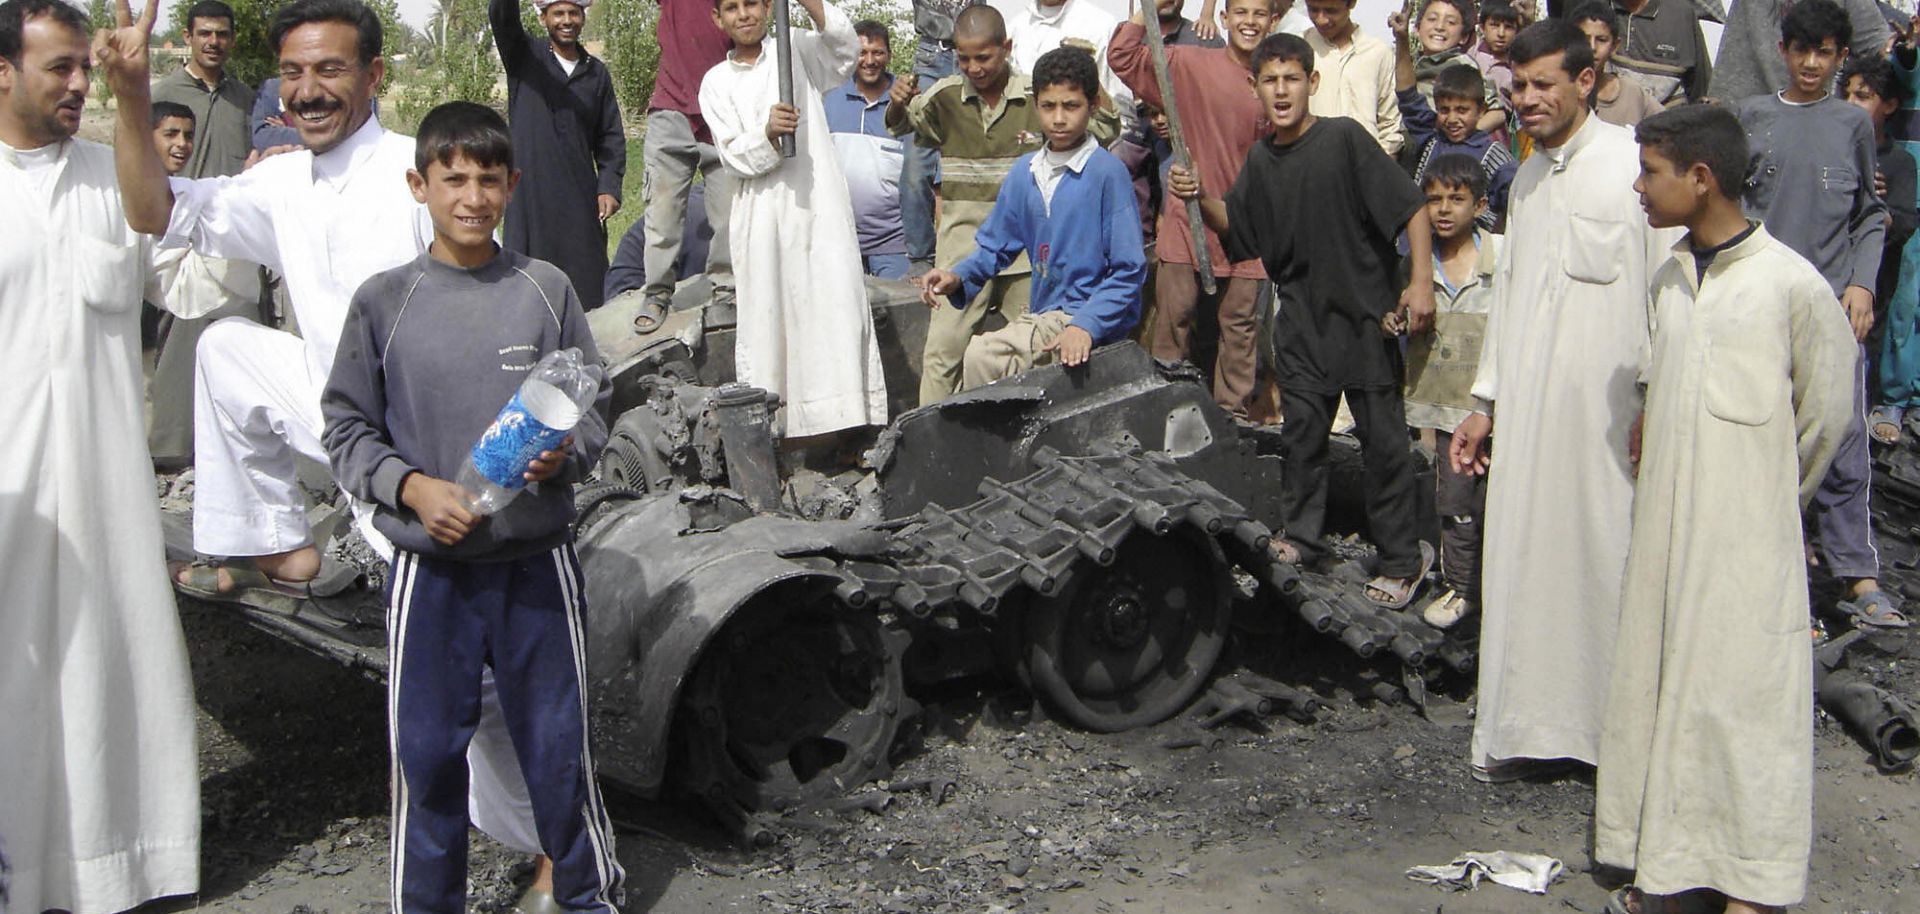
(1811, 183)
(430, 352)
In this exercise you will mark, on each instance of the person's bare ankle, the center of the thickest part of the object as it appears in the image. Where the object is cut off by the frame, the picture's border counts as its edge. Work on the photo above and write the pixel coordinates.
(1862, 586)
(543, 873)
(302, 564)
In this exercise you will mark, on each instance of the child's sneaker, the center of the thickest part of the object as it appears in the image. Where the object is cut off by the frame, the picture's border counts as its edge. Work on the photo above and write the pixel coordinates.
(1447, 609)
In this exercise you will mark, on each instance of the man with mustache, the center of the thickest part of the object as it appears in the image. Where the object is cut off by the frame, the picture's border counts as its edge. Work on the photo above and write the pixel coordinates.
(100, 805)
(326, 218)
(1556, 386)
(567, 133)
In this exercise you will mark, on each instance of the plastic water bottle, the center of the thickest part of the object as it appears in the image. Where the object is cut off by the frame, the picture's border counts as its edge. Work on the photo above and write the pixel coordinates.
(549, 403)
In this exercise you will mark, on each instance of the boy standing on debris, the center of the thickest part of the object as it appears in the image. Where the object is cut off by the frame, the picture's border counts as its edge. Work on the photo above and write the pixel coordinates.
(805, 331)
(429, 353)
(1321, 204)
(1220, 127)
(1070, 208)
(1441, 365)
(1702, 783)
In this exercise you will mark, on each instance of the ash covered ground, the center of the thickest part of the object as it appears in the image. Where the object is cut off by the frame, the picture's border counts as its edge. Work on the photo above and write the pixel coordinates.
(1323, 816)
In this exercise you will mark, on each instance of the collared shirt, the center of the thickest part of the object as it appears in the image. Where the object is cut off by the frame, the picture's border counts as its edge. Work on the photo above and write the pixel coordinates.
(1357, 82)
(222, 129)
(870, 156)
(978, 146)
(1664, 47)
(325, 222)
(1048, 167)
(1440, 365)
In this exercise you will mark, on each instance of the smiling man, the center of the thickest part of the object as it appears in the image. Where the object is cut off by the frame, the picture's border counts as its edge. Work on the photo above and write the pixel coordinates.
(870, 155)
(1565, 332)
(100, 805)
(567, 133)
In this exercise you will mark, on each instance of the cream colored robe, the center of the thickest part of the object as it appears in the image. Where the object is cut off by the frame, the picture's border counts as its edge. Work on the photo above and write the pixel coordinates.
(1566, 331)
(805, 332)
(1706, 758)
(99, 787)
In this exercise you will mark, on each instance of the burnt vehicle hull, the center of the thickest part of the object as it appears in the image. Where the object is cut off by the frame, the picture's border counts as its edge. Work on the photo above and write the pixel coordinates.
(758, 634)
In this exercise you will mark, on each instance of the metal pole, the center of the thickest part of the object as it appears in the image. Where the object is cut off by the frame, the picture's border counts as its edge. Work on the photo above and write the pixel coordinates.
(1196, 226)
(783, 57)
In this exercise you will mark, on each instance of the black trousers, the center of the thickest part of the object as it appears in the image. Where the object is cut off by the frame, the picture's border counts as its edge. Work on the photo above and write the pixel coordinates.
(1461, 501)
(1381, 425)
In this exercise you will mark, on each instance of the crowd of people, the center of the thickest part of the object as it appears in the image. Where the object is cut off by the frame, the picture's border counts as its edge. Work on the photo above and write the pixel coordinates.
(1682, 300)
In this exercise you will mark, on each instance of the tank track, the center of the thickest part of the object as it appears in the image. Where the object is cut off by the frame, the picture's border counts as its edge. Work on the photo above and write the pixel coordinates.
(958, 567)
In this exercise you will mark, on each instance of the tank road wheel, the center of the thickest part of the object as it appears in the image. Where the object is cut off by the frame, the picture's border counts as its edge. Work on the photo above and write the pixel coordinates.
(1128, 645)
(794, 701)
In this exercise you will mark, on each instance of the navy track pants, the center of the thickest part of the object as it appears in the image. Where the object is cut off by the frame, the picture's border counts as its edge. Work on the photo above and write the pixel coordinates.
(524, 619)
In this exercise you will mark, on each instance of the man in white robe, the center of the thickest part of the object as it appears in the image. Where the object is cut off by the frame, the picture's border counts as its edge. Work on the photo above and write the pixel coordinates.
(805, 330)
(326, 217)
(1706, 758)
(1566, 330)
(99, 788)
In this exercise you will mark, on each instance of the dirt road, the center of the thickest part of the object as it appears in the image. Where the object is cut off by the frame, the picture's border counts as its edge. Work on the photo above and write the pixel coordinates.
(1319, 817)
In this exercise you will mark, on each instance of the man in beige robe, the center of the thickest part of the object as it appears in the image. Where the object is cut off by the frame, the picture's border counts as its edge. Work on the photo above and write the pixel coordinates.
(1566, 331)
(1706, 755)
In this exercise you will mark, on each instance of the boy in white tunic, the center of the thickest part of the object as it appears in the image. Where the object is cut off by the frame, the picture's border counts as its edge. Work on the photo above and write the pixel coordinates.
(1704, 783)
(805, 331)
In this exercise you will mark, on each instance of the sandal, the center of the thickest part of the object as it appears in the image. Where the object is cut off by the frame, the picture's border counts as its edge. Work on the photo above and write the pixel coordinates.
(245, 584)
(1874, 609)
(653, 313)
(1396, 593)
(1883, 423)
(1624, 901)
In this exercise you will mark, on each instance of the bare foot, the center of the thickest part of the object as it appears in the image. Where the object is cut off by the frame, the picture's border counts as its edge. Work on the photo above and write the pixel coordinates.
(542, 874)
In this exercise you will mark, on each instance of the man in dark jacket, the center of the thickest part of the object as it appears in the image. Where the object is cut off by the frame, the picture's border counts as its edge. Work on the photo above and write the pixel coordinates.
(566, 131)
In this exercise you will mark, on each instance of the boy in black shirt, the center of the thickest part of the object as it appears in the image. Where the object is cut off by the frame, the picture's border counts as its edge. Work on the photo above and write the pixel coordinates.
(1320, 205)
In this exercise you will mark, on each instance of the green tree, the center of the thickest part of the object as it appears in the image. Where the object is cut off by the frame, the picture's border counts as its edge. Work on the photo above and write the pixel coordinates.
(463, 65)
(632, 50)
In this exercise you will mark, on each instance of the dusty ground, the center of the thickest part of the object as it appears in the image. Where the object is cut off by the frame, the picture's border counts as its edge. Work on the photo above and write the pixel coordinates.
(1318, 817)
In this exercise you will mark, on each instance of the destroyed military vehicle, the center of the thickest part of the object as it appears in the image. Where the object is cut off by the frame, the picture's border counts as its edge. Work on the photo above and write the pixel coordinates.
(759, 632)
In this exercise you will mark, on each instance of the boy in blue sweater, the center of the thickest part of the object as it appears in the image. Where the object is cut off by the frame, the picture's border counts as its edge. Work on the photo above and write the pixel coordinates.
(429, 353)
(1089, 264)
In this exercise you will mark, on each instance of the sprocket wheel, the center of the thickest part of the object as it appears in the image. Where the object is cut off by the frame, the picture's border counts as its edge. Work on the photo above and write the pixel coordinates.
(795, 701)
(1129, 645)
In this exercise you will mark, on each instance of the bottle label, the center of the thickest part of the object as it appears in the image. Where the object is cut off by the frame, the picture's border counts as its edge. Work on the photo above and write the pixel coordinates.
(536, 419)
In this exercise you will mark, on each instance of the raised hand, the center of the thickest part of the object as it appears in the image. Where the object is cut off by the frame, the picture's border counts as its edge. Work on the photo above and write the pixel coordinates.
(121, 51)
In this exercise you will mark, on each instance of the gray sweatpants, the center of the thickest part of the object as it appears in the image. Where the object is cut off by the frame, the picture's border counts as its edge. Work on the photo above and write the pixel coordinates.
(671, 158)
(1840, 506)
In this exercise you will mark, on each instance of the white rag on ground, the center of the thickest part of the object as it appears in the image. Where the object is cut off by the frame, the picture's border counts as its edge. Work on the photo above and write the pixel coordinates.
(1513, 869)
